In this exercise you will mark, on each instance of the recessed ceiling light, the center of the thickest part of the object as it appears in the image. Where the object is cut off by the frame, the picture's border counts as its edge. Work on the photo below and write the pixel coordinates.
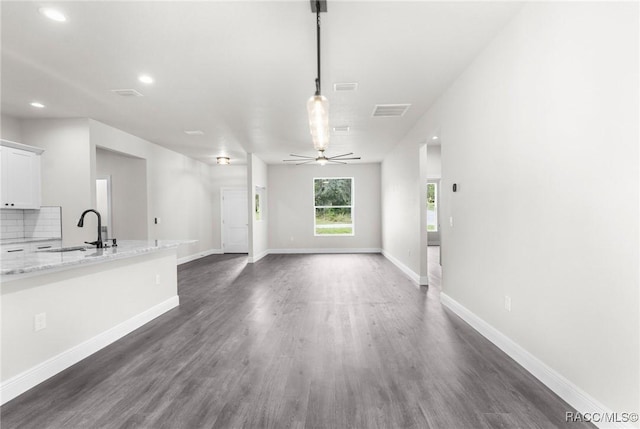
(223, 160)
(434, 138)
(53, 14)
(145, 78)
(194, 132)
(38, 105)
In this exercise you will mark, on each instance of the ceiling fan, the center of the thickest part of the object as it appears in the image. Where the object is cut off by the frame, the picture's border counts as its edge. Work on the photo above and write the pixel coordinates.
(321, 158)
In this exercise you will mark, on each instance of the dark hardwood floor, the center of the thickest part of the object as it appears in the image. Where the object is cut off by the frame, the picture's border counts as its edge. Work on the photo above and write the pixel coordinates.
(314, 341)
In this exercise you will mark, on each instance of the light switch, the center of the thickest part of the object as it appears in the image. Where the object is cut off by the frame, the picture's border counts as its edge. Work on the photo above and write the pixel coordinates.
(451, 221)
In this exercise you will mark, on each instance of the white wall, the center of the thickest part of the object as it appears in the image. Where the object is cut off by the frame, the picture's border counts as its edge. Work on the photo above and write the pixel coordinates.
(67, 176)
(10, 128)
(541, 134)
(182, 192)
(434, 162)
(128, 193)
(403, 192)
(258, 229)
(291, 207)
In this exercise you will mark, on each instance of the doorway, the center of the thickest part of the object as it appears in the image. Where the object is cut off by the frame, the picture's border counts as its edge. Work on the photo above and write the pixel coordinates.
(235, 220)
(103, 204)
(126, 203)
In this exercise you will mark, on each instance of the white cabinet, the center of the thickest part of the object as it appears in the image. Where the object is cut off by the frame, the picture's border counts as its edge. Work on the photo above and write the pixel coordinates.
(20, 176)
(26, 247)
(14, 248)
(44, 245)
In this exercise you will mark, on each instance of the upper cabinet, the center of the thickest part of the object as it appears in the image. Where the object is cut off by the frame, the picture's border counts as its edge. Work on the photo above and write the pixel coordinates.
(20, 176)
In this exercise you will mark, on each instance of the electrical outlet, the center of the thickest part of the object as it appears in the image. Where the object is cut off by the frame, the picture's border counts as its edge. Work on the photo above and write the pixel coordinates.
(157, 279)
(507, 303)
(39, 322)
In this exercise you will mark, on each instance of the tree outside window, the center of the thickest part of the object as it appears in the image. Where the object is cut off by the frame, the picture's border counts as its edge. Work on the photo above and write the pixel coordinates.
(333, 205)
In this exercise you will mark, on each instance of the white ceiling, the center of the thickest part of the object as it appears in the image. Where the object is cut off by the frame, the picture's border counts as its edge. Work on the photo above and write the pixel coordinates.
(240, 71)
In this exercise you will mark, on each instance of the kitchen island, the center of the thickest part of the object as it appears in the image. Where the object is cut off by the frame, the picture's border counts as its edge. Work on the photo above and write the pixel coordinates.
(14, 266)
(60, 307)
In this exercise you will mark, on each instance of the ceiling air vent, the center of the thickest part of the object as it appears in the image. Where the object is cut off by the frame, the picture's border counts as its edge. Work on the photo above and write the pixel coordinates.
(194, 132)
(345, 86)
(390, 110)
(127, 92)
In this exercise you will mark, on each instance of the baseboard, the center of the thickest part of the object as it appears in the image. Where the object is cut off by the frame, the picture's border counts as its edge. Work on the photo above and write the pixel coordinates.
(420, 280)
(572, 394)
(313, 251)
(30, 378)
(199, 255)
(253, 259)
(326, 250)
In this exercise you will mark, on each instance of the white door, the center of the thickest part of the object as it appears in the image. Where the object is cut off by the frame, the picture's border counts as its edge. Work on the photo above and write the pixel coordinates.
(235, 221)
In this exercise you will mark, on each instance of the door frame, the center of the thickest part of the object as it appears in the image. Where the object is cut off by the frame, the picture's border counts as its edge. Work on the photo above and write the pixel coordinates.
(222, 233)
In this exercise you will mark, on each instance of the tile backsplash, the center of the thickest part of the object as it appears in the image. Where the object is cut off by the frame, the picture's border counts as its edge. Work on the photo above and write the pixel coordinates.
(43, 223)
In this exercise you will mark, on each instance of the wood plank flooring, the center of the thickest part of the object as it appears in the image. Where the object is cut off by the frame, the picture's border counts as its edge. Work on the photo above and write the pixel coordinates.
(296, 341)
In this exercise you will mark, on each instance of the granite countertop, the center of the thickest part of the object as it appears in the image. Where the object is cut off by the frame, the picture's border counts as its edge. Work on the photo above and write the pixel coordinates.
(42, 261)
(5, 241)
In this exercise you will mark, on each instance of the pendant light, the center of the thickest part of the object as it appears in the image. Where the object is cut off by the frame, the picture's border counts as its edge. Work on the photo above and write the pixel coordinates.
(318, 105)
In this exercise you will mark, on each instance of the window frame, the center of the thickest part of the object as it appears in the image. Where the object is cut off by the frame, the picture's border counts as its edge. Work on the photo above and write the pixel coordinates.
(352, 206)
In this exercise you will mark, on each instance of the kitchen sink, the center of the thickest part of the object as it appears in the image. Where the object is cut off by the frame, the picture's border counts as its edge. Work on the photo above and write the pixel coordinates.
(66, 249)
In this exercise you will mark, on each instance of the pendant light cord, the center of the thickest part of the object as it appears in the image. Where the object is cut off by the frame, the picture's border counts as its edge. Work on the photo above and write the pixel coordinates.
(318, 47)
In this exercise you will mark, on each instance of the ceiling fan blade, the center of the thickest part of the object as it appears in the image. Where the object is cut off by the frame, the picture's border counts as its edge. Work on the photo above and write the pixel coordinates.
(298, 160)
(306, 162)
(338, 156)
(342, 159)
(335, 162)
(302, 156)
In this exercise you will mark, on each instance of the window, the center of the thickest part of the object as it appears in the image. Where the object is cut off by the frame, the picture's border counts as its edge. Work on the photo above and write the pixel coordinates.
(432, 207)
(333, 205)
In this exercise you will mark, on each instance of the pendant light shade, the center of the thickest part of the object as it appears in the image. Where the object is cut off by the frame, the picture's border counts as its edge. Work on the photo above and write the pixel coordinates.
(318, 109)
